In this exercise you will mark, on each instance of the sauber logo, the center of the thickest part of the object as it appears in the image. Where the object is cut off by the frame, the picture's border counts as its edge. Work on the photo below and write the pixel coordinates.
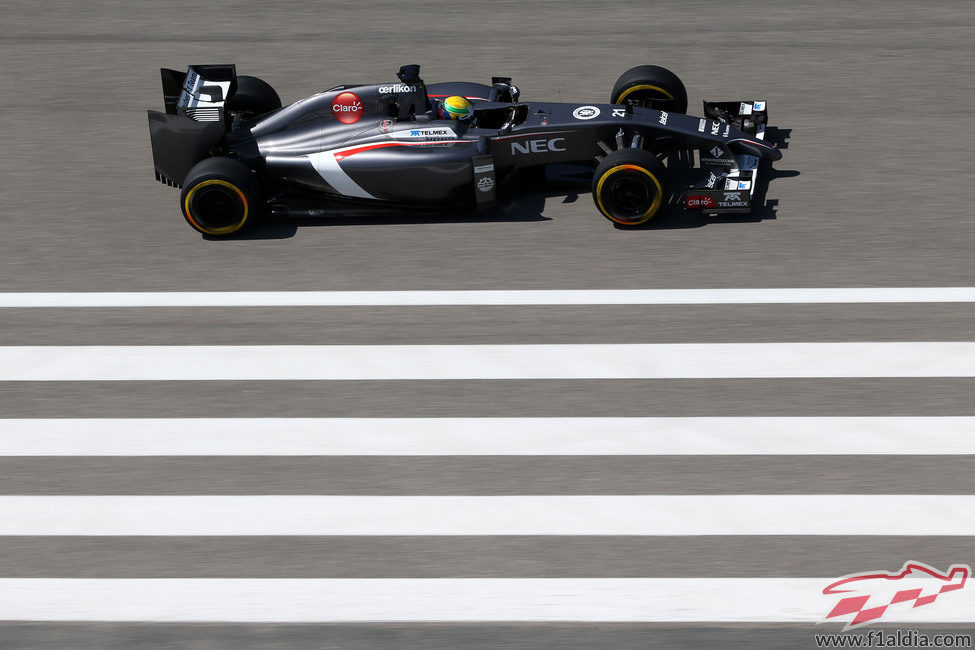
(866, 597)
(347, 108)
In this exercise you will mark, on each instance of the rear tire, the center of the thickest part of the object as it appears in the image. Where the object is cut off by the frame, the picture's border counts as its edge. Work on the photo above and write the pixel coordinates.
(220, 197)
(629, 187)
(253, 97)
(653, 87)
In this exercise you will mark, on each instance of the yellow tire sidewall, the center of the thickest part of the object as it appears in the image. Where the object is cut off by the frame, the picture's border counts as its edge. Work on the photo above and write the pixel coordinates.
(646, 216)
(626, 93)
(224, 230)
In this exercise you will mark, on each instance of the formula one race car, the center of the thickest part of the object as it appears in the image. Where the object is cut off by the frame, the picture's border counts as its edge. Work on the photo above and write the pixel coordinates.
(237, 153)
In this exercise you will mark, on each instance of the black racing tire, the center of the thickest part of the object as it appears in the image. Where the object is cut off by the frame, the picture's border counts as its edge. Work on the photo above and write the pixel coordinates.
(653, 87)
(629, 187)
(220, 197)
(253, 97)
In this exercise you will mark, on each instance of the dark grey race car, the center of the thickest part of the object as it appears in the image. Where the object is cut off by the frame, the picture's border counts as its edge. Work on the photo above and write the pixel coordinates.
(238, 154)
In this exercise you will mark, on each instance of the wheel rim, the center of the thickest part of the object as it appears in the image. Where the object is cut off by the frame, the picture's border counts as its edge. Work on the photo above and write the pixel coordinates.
(216, 207)
(629, 194)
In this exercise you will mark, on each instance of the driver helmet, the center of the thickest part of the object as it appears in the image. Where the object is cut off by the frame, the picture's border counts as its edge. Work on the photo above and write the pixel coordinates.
(455, 108)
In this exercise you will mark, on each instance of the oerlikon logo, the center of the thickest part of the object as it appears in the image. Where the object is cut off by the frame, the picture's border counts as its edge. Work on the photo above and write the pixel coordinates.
(866, 597)
(347, 108)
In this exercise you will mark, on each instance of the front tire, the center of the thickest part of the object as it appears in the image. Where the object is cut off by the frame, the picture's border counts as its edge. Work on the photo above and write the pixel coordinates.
(652, 87)
(220, 197)
(629, 187)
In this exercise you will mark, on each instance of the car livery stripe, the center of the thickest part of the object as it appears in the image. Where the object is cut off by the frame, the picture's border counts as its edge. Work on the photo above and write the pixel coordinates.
(328, 167)
(531, 134)
(326, 163)
(758, 142)
(345, 153)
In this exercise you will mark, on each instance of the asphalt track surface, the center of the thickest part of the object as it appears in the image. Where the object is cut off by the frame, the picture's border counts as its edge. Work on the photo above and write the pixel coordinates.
(874, 190)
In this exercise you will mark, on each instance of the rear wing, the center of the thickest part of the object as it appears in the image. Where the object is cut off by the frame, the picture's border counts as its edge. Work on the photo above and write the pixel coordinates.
(732, 171)
(200, 92)
(193, 121)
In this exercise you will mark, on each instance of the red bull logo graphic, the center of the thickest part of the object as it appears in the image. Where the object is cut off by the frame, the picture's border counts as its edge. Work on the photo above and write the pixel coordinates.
(866, 597)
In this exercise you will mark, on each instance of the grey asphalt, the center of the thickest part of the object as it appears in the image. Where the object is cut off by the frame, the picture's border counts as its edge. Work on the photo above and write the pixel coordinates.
(458, 556)
(489, 475)
(489, 325)
(874, 190)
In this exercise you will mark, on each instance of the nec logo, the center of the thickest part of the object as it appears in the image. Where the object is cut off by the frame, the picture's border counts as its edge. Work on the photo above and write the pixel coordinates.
(538, 146)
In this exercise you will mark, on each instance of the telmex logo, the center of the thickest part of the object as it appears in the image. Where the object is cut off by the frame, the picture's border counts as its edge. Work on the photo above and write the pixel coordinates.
(868, 596)
(538, 146)
(347, 108)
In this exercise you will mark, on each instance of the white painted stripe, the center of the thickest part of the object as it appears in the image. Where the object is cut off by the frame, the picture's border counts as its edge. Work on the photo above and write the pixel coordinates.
(388, 362)
(489, 515)
(726, 600)
(513, 297)
(610, 436)
(329, 169)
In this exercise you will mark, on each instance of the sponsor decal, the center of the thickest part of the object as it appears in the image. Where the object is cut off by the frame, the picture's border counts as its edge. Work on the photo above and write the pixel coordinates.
(701, 125)
(745, 109)
(733, 200)
(585, 112)
(698, 202)
(486, 184)
(744, 185)
(425, 134)
(759, 106)
(717, 152)
(396, 88)
(538, 146)
(715, 127)
(712, 179)
(619, 112)
(864, 598)
(727, 130)
(481, 169)
(347, 108)
(384, 126)
(663, 117)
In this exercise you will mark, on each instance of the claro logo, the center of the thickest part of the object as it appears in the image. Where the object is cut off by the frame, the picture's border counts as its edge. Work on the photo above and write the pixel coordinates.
(538, 146)
(347, 108)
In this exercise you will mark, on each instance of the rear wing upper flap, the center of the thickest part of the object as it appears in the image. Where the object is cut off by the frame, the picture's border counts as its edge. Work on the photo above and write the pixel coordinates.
(200, 92)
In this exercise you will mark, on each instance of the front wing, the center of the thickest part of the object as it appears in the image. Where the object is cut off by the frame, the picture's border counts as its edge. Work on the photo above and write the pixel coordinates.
(732, 178)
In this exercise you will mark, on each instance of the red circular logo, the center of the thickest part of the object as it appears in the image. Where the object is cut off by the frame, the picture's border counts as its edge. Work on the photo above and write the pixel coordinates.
(347, 108)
